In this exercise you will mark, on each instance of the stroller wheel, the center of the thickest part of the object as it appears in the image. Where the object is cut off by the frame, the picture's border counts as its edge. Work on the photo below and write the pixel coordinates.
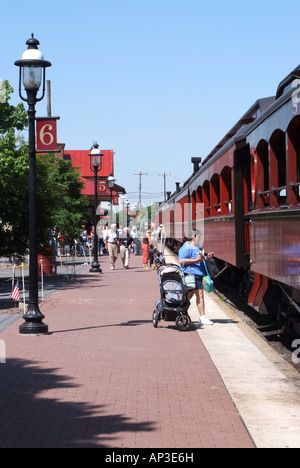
(155, 318)
(183, 322)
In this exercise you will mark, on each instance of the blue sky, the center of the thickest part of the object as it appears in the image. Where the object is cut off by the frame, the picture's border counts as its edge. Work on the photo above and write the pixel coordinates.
(157, 81)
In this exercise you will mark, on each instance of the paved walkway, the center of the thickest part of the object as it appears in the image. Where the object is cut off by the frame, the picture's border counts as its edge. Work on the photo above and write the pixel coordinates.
(104, 377)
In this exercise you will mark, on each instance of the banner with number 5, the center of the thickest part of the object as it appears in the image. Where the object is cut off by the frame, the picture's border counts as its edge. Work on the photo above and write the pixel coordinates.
(46, 134)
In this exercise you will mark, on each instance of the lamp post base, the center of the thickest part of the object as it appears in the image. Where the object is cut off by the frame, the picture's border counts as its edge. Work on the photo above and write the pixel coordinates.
(33, 322)
(95, 268)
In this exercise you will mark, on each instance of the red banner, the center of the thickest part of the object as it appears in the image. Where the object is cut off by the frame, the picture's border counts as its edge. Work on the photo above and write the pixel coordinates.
(115, 199)
(46, 134)
(102, 187)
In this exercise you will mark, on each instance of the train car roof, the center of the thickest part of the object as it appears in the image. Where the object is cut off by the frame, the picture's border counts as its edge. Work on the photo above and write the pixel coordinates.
(286, 83)
(255, 111)
(247, 121)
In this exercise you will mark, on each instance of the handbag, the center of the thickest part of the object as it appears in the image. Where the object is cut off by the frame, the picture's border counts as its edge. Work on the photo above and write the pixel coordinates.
(189, 280)
(207, 282)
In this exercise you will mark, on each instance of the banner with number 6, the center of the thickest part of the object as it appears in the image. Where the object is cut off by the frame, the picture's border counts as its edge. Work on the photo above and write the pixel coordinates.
(46, 135)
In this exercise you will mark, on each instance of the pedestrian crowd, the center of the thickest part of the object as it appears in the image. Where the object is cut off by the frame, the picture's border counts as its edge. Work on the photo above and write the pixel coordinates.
(116, 241)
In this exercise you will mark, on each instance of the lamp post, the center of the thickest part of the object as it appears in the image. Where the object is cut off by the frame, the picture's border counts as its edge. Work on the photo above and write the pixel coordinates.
(95, 165)
(122, 212)
(32, 67)
(111, 183)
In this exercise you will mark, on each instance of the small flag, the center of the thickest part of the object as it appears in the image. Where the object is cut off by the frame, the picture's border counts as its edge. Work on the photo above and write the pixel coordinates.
(16, 293)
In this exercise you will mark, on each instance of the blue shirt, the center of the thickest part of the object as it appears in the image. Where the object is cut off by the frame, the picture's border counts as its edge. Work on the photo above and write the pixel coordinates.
(189, 251)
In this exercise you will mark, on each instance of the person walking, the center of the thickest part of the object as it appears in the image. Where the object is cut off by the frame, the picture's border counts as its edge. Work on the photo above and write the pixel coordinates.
(136, 241)
(125, 241)
(191, 258)
(83, 240)
(111, 244)
(100, 239)
(145, 247)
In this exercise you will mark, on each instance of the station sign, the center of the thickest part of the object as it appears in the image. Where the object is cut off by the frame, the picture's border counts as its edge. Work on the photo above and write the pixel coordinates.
(102, 187)
(46, 134)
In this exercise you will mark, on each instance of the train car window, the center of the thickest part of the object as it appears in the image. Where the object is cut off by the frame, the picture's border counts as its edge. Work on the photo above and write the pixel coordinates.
(206, 198)
(277, 160)
(226, 191)
(260, 174)
(215, 205)
(194, 202)
(199, 195)
(298, 174)
(293, 161)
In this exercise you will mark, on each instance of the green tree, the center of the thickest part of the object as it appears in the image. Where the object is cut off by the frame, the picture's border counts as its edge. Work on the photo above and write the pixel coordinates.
(69, 207)
(13, 174)
(60, 203)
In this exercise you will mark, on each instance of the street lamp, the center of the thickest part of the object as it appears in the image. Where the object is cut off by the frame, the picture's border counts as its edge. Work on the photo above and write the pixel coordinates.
(122, 220)
(32, 67)
(110, 184)
(95, 165)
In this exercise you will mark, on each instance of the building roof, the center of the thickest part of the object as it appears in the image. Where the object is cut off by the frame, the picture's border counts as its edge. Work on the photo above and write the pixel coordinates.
(81, 159)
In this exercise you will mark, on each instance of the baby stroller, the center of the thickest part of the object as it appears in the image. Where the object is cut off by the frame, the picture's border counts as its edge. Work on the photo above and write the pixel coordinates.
(173, 304)
(157, 260)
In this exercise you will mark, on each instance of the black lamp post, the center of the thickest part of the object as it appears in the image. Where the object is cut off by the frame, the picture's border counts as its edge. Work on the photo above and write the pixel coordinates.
(32, 67)
(111, 183)
(95, 164)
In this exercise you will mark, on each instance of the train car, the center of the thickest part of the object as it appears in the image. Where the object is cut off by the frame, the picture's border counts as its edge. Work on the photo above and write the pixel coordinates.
(271, 148)
(247, 193)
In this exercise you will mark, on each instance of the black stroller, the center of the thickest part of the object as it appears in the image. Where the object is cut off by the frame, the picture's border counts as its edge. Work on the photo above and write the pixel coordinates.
(157, 259)
(173, 304)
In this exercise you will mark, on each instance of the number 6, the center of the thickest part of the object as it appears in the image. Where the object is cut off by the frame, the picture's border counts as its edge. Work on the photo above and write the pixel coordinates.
(44, 134)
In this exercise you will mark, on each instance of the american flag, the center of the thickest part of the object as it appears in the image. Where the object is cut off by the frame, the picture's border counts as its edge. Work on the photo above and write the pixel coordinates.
(16, 293)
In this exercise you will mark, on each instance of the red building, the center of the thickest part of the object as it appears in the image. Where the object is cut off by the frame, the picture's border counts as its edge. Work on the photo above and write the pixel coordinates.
(81, 160)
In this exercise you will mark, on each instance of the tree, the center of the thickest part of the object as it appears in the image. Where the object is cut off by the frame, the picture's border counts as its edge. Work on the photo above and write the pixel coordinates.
(69, 207)
(13, 174)
(60, 203)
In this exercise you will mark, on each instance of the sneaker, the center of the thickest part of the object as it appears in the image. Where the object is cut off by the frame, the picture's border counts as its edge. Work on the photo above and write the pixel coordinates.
(205, 321)
(112, 267)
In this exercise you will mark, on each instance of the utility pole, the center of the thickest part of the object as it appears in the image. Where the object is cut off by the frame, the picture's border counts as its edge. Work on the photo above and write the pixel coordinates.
(164, 175)
(140, 174)
(48, 98)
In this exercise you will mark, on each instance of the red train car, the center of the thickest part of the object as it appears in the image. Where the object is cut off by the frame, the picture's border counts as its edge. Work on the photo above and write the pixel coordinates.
(248, 191)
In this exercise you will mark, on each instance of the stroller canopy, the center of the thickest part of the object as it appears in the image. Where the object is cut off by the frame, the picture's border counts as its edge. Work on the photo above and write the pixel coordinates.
(171, 282)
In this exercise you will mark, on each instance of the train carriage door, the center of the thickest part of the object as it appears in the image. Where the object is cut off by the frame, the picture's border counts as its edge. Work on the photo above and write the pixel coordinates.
(242, 196)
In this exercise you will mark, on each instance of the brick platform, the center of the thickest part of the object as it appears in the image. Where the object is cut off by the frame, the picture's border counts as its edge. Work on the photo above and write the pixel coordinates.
(104, 377)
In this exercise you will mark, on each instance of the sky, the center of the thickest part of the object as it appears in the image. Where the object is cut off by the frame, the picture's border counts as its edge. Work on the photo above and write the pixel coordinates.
(156, 81)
